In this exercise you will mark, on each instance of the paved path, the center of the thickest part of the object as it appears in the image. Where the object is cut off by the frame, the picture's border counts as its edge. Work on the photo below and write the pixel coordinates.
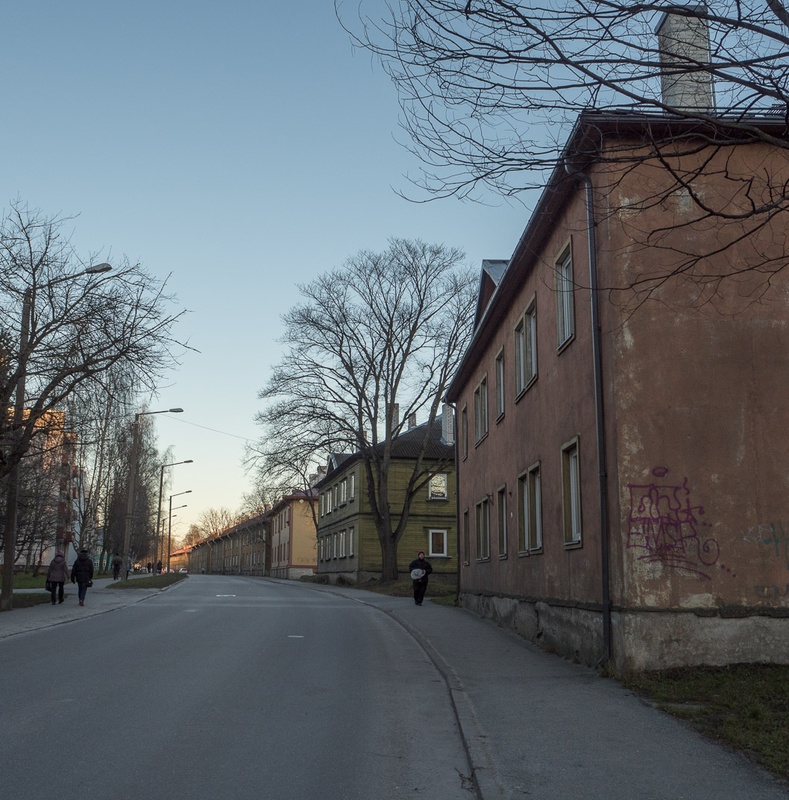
(535, 725)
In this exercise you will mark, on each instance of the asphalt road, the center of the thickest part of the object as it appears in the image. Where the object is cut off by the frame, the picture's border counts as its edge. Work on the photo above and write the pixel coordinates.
(228, 688)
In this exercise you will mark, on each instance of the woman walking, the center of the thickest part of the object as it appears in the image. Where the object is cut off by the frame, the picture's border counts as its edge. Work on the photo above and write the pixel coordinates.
(57, 575)
(82, 574)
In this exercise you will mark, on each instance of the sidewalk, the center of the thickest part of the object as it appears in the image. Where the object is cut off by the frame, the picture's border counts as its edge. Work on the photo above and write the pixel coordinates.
(99, 600)
(540, 727)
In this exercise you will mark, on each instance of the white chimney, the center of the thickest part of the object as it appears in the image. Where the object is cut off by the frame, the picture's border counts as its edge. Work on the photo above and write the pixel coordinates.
(684, 44)
(447, 424)
(411, 421)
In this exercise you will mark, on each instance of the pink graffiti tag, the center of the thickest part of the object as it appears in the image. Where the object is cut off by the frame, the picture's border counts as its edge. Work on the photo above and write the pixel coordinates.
(663, 523)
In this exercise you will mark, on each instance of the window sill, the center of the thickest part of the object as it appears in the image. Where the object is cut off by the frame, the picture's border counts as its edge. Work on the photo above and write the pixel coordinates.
(566, 343)
(573, 545)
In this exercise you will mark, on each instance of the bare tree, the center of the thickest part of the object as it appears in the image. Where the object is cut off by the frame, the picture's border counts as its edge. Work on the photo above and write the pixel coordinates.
(63, 325)
(384, 332)
(214, 520)
(489, 90)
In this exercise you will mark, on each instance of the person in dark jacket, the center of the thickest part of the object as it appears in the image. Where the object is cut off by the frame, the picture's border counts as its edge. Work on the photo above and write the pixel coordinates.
(57, 575)
(82, 574)
(420, 569)
(117, 563)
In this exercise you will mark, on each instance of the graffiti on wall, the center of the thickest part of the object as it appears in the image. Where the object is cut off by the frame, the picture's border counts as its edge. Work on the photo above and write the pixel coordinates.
(666, 527)
(771, 535)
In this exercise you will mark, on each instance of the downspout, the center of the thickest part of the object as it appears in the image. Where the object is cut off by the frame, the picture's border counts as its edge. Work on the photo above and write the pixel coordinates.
(458, 520)
(602, 474)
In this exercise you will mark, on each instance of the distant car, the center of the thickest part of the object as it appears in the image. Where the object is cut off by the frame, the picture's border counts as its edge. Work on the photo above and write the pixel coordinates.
(183, 569)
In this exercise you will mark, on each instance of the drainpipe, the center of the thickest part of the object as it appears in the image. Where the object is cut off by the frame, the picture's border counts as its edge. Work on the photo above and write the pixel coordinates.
(602, 474)
(458, 520)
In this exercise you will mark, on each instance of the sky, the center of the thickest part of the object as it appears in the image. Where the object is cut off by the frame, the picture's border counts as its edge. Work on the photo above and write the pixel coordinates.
(236, 149)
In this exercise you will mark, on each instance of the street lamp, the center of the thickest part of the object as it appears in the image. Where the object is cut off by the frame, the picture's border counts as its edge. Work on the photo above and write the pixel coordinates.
(133, 481)
(170, 524)
(159, 507)
(12, 492)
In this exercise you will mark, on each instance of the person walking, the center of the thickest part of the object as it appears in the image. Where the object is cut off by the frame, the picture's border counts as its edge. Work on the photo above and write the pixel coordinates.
(420, 569)
(57, 575)
(82, 574)
(117, 562)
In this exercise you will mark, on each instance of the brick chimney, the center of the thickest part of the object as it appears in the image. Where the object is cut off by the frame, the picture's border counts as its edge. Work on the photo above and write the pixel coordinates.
(447, 424)
(684, 44)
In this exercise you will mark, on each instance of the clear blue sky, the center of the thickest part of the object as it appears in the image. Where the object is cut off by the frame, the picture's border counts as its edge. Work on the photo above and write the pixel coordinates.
(242, 147)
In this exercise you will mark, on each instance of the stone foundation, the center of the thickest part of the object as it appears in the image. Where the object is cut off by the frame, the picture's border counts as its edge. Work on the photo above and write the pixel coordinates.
(641, 640)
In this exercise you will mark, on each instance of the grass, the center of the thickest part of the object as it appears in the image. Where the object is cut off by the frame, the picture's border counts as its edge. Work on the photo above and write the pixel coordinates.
(745, 706)
(29, 581)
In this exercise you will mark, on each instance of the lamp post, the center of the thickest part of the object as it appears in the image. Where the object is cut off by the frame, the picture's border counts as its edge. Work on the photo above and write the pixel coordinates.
(159, 507)
(133, 481)
(170, 523)
(12, 492)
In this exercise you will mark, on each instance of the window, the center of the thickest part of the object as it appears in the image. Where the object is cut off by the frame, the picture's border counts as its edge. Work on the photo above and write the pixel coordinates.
(530, 320)
(500, 385)
(437, 538)
(565, 300)
(437, 487)
(571, 494)
(350, 540)
(352, 486)
(501, 509)
(481, 410)
(323, 504)
(466, 543)
(483, 530)
(464, 432)
(343, 492)
(334, 498)
(342, 544)
(530, 522)
(526, 348)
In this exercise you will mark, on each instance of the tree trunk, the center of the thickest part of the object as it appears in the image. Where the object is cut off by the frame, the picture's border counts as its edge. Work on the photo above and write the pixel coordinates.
(388, 556)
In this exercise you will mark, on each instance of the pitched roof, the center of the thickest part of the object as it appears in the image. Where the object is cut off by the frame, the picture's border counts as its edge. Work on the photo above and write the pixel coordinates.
(405, 446)
(583, 148)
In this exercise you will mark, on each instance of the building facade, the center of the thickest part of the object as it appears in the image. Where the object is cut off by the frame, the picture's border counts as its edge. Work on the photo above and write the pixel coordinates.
(348, 544)
(293, 540)
(622, 476)
(241, 549)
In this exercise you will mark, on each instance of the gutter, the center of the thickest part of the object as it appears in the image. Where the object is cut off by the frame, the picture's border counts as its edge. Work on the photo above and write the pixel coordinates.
(602, 474)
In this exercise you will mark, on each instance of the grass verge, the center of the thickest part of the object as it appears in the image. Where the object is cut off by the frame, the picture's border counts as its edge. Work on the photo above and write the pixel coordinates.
(745, 706)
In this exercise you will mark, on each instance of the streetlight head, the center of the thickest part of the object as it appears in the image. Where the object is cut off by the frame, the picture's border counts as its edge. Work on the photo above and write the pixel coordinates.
(188, 461)
(175, 410)
(99, 268)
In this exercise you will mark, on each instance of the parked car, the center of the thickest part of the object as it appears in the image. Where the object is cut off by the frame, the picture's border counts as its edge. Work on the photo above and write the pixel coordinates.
(183, 569)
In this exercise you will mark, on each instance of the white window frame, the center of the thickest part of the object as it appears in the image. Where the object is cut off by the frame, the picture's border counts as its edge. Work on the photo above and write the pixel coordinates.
(565, 298)
(501, 520)
(500, 375)
(530, 327)
(571, 494)
(483, 530)
(352, 486)
(351, 532)
(481, 410)
(444, 538)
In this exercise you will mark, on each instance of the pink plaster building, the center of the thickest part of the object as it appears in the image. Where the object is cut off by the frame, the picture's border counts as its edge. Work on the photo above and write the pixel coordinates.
(622, 467)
